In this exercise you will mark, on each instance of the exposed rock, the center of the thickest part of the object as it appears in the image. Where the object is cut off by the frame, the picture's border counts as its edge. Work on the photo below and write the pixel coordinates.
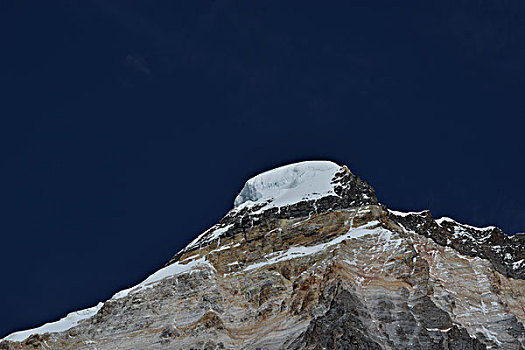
(333, 269)
(506, 253)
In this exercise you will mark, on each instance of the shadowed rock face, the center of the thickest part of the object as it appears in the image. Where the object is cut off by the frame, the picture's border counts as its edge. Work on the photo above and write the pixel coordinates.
(341, 327)
(336, 272)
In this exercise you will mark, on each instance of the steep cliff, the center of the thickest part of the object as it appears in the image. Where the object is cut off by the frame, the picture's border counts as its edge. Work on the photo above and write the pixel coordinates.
(309, 259)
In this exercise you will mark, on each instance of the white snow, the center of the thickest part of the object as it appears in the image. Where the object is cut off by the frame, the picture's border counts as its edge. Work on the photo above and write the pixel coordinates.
(439, 330)
(70, 321)
(444, 218)
(168, 271)
(461, 230)
(517, 264)
(289, 184)
(215, 231)
(403, 214)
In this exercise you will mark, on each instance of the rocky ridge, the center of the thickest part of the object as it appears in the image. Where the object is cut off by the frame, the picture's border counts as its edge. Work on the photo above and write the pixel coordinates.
(300, 264)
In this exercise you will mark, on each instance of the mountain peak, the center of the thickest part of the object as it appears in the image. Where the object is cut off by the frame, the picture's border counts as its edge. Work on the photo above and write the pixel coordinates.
(289, 184)
(291, 191)
(305, 244)
(300, 188)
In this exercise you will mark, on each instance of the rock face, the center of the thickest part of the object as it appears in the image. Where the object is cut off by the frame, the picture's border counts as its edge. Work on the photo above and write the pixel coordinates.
(309, 259)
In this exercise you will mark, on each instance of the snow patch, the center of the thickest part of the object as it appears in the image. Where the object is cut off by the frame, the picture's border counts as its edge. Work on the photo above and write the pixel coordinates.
(210, 235)
(301, 251)
(404, 214)
(439, 330)
(444, 218)
(517, 264)
(289, 184)
(168, 271)
(62, 325)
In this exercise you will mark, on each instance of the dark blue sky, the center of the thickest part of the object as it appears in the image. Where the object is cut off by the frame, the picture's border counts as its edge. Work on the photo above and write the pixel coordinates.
(128, 127)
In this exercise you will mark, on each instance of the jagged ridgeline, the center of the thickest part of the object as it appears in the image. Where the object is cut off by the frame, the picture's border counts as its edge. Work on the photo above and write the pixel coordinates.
(308, 258)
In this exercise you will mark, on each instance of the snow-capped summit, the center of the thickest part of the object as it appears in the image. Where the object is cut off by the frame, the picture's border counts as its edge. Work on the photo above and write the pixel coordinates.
(290, 184)
(309, 258)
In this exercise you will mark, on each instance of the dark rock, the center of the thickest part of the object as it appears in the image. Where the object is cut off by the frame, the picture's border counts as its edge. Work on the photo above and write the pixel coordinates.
(459, 339)
(503, 251)
(340, 328)
(170, 332)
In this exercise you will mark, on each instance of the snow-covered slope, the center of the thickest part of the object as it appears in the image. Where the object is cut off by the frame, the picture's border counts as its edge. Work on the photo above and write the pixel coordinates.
(64, 324)
(289, 184)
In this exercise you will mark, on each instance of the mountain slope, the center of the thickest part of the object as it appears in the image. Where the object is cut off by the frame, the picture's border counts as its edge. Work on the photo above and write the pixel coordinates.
(309, 259)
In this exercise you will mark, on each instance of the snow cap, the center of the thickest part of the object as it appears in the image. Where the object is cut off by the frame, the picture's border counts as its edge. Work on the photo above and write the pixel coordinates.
(289, 184)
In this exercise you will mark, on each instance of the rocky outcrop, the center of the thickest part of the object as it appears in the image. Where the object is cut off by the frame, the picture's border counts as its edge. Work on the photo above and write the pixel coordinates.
(337, 271)
(506, 253)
